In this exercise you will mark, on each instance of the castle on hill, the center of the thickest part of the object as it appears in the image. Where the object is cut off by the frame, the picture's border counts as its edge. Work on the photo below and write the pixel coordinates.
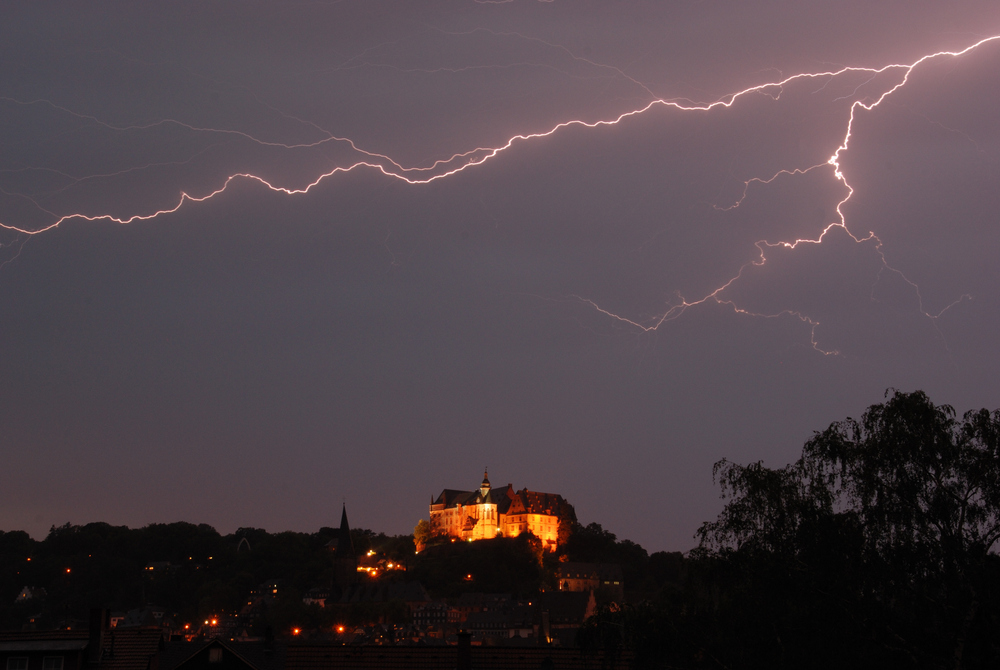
(491, 512)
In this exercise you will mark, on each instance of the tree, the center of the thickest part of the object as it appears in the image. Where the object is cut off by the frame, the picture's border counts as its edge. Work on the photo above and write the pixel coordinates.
(422, 534)
(926, 489)
(892, 519)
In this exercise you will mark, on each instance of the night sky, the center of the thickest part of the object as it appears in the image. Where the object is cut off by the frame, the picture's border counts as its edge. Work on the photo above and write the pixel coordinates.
(432, 306)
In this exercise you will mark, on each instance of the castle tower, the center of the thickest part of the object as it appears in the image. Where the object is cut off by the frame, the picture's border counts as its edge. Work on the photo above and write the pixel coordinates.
(484, 488)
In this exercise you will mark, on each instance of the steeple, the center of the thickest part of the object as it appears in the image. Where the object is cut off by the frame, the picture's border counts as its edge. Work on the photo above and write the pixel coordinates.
(484, 488)
(345, 546)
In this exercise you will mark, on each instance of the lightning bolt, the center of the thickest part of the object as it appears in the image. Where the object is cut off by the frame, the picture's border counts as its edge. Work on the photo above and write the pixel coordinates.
(444, 168)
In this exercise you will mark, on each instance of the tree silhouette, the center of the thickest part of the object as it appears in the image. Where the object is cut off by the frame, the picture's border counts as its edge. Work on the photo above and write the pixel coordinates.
(883, 531)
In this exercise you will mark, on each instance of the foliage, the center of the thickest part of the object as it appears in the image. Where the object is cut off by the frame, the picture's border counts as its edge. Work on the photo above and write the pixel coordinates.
(882, 533)
(422, 534)
(593, 544)
(500, 565)
(99, 565)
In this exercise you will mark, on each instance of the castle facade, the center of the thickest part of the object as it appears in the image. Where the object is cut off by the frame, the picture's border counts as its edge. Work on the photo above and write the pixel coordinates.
(502, 512)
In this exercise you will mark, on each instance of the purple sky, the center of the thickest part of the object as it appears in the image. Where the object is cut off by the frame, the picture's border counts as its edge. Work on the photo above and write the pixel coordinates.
(255, 358)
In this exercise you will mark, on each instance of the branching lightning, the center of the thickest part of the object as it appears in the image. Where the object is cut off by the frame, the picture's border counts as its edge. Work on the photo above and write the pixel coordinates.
(444, 168)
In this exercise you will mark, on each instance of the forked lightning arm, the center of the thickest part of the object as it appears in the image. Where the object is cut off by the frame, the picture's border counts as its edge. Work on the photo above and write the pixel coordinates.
(459, 162)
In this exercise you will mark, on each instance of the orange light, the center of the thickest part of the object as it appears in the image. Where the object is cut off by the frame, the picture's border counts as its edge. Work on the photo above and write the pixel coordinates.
(214, 621)
(295, 631)
(29, 558)
(67, 570)
(340, 629)
(186, 626)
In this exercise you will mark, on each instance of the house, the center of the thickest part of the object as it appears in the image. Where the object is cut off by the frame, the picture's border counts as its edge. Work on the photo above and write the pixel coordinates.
(219, 654)
(43, 650)
(470, 603)
(502, 512)
(604, 578)
(99, 647)
(316, 596)
(432, 614)
(463, 656)
(30, 593)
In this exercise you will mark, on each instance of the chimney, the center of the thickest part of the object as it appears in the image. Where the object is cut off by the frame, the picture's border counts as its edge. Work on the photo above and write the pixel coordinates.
(100, 624)
(464, 651)
(268, 640)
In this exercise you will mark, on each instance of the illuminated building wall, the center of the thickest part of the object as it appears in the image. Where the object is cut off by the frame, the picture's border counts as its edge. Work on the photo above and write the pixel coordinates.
(488, 512)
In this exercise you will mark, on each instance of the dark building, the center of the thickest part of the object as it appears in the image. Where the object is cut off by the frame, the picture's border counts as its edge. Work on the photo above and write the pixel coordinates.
(603, 578)
(100, 647)
(345, 560)
(217, 654)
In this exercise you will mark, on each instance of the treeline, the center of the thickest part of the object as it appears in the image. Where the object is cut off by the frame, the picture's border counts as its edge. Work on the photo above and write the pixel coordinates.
(520, 567)
(876, 549)
(211, 574)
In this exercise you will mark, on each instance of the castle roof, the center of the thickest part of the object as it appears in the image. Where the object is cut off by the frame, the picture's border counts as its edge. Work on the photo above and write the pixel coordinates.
(507, 501)
(536, 502)
(500, 497)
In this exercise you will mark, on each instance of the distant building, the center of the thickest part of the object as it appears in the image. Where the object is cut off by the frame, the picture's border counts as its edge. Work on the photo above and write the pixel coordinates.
(487, 513)
(97, 647)
(605, 578)
(222, 654)
(316, 596)
(30, 593)
(345, 559)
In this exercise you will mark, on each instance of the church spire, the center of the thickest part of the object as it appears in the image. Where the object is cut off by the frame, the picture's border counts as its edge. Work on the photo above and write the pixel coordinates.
(345, 546)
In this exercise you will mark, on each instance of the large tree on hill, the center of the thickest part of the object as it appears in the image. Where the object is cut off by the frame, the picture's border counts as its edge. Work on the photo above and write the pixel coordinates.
(885, 531)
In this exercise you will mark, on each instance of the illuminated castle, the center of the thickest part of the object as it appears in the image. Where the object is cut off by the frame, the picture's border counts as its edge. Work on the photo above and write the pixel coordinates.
(487, 513)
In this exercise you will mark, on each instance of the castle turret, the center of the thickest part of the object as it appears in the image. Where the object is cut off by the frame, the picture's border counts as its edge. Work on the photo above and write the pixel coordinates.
(484, 488)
